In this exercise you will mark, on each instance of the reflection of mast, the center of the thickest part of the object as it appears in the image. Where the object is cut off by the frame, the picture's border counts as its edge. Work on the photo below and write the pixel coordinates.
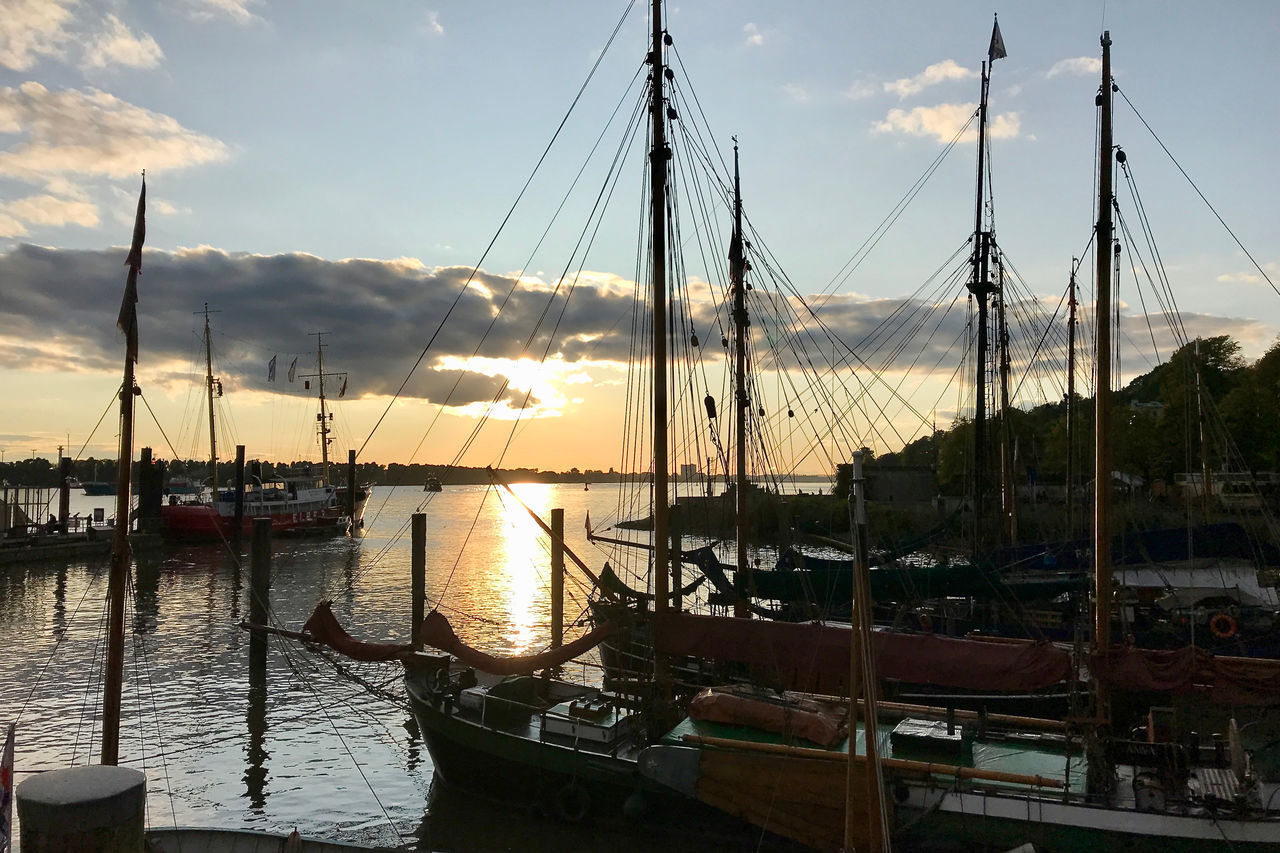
(210, 384)
(737, 273)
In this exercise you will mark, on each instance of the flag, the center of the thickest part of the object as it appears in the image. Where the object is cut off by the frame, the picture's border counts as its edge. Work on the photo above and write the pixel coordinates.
(293, 368)
(996, 51)
(128, 319)
(587, 524)
(343, 389)
(6, 793)
(271, 369)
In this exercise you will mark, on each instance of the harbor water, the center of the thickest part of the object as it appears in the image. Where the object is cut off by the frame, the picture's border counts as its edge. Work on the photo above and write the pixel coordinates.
(321, 744)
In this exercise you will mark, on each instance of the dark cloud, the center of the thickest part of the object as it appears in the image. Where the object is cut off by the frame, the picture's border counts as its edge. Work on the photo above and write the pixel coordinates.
(379, 315)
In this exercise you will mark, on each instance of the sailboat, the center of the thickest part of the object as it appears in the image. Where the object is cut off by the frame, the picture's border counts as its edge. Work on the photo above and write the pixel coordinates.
(1065, 785)
(297, 502)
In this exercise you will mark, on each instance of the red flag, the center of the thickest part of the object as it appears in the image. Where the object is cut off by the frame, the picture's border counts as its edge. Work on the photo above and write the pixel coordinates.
(128, 319)
(6, 793)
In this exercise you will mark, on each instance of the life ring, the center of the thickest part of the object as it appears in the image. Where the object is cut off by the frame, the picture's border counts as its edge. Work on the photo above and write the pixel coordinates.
(1223, 626)
(573, 803)
(925, 621)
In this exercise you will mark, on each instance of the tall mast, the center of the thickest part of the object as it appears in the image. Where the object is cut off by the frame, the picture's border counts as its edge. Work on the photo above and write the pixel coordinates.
(113, 675)
(208, 383)
(980, 287)
(1102, 438)
(658, 157)
(1071, 402)
(737, 280)
(324, 415)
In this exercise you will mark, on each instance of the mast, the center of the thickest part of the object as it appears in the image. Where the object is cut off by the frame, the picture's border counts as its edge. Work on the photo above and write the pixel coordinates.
(1071, 401)
(113, 676)
(737, 272)
(1102, 438)
(1007, 492)
(658, 157)
(980, 287)
(323, 429)
(209, 385)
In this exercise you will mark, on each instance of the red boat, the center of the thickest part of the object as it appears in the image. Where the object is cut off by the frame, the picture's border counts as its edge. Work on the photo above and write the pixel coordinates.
(295, 504)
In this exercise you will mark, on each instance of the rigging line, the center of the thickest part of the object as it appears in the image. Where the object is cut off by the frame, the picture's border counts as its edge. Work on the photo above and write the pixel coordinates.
(1039, 344)
(1149, 234)
(895, 212)
(159, 427)
(1155, 348)
(139, 647)
(1252, 260)
(110, 405)
(511, 211)
(57, 645)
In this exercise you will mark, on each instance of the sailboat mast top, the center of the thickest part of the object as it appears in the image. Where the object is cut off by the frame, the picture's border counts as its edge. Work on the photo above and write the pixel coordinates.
(208, 382)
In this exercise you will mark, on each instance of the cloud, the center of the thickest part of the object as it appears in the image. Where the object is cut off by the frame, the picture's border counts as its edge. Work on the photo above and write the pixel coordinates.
(33, 29)
(235, 10)
(944, 121)
(116, 45)
(795, 93)
(431, 24)
(51, 211)
(755, 38)
(940, 72)
(1076, 65)
(860, 90)
(90, 132)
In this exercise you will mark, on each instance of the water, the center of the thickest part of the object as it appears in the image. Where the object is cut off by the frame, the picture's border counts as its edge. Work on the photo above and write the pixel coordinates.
(330, 750)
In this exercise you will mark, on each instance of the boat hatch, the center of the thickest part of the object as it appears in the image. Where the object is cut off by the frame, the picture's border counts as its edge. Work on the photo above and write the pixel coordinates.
(932, 740)
(606, 724)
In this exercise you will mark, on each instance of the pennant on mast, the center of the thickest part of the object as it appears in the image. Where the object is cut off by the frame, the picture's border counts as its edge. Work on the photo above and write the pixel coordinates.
(996, 50)
(293, 368)
(271, 369)
(128, 319)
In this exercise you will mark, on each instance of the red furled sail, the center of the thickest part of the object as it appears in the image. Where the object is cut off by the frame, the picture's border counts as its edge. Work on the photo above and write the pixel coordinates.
(438, 633)
(815, 658)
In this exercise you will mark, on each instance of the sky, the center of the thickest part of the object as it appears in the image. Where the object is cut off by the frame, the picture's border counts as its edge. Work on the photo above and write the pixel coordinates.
(342, 167)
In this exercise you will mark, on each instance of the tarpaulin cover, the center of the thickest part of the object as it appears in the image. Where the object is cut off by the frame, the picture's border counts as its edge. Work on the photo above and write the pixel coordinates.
(790, 717)
(815, 658)
(1229, 680)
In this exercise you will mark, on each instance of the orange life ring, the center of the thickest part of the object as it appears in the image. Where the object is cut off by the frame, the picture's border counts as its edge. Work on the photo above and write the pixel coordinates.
(925, 622)
(1223, 626)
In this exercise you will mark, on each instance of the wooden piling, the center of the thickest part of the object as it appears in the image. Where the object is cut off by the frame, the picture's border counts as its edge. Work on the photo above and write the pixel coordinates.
(239, 511)
(418, 567)
(557, 578)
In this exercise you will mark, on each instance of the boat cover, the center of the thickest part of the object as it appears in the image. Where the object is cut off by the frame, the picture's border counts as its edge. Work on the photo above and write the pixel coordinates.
(1229, 680)
(815, 658)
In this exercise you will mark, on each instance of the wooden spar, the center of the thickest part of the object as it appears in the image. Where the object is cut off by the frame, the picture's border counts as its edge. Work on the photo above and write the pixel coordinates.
(898, 765)
(113, 675)
(1007, 491)
(1102, 438)
(742, 405)
(208, 383)
(493, 475)
(658, 157)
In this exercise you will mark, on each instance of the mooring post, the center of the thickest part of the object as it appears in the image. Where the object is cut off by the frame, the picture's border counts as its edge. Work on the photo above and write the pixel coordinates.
(351, 489)
(557, 578)
(64, 492)
(259, 591)
(239, 514)
(418, 566)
